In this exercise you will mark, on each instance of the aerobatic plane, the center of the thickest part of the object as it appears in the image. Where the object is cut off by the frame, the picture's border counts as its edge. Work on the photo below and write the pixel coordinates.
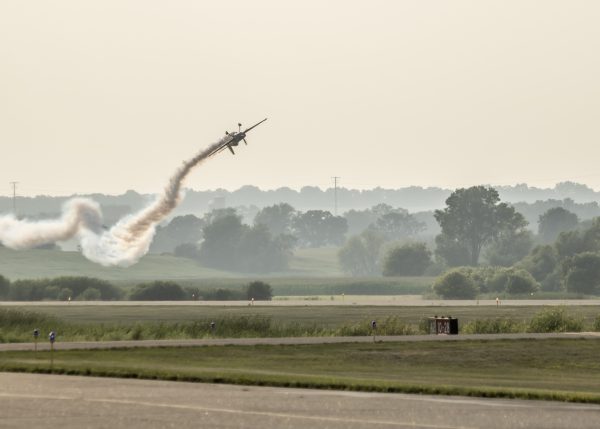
(234, 138)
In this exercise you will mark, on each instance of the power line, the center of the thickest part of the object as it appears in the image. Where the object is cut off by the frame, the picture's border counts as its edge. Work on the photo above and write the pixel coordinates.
(335, 182)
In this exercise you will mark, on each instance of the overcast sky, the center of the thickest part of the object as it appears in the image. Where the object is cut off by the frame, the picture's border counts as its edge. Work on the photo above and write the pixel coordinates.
(105, 96)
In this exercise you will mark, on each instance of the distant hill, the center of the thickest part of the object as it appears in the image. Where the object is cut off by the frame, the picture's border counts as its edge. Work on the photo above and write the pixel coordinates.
(250, 199)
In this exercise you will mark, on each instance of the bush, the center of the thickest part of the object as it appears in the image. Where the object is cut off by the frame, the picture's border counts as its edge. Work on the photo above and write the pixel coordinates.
(158, 291)
(408, 260)
(39, 289)
(65, 294)
(90, 294)
(493, 326)
(597, 324)
(521, 282)
(259, 291)
(498, 281)
(221, 294)
(554, 320)
(455, 285)
(4, 287)
(583, 273)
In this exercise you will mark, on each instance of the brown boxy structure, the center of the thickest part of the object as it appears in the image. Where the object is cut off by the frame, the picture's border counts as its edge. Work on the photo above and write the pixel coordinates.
(443, 325)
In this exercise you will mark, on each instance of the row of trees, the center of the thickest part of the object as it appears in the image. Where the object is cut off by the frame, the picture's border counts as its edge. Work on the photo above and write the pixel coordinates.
(221, 240)
(93, 289)
(313, 228)
(474, 219)
(475, 225)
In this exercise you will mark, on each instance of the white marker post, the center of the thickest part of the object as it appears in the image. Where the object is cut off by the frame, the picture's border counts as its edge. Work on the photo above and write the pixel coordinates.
(52, 338)
(374, 328)
(36, 334)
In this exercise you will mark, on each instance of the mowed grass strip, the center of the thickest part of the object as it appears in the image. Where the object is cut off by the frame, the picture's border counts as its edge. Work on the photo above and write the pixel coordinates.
(325, 316)
(556, 369)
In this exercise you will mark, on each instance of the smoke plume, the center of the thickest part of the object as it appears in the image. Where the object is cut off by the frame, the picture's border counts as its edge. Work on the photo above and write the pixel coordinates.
(123, 244)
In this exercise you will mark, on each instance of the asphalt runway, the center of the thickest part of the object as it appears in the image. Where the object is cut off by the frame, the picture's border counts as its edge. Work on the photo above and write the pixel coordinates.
(88, 345)
(348, 300)
(56, 401)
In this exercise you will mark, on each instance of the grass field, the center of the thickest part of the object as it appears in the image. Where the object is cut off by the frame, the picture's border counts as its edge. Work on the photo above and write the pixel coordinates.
(566, 370)
(35, 263)
(327, 316)
(106, 323)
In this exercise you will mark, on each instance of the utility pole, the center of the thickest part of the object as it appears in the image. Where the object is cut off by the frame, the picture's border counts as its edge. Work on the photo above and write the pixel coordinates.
(335, 182)
(14, 185)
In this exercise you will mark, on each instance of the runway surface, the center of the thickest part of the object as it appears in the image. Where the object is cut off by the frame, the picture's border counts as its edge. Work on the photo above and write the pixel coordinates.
(348, 300)
(85, 345)
(28, 401)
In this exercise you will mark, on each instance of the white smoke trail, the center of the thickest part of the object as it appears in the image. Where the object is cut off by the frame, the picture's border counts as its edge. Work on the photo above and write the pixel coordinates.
(123, 245)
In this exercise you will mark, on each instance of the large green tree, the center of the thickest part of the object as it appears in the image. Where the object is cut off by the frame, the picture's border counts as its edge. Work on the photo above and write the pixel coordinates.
(554, 221)
(181, 230)
(317, 228)
(278, 218)
(582, 273)
(474, 217)
(360, 255)
(411, 259)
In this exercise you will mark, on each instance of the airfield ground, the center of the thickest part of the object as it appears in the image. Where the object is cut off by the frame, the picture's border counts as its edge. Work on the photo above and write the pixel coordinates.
(29, 401)
(321, 312)
(550, 368)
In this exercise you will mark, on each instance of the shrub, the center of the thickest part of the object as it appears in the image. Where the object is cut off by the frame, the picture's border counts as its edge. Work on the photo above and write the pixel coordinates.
(408, 260)
(499, 281)
(493, 326)
(4, 286)
(553, 282)
(158, 291)
(38, 289)
(597, 324)
(583, 273)
(520, 282)
(455, 285)
(90, 294)
(65, 294)
(221, 294)
(554, 319)
(78, 285)
(259, 291)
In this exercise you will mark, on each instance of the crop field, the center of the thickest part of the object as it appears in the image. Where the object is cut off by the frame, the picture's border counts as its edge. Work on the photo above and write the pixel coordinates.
(557, 369)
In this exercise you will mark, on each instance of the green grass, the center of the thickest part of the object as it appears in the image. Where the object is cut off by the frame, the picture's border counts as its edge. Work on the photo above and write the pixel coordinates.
(557, 369)
(37, 263)
(328, 316)
(28, 264)
(96, 323)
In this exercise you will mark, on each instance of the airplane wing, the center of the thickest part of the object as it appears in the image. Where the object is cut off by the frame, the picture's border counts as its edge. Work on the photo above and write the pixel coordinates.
(255, 125)
(219, 148)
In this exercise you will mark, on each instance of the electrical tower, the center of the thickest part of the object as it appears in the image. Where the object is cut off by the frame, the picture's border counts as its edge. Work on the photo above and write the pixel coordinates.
(335, 182)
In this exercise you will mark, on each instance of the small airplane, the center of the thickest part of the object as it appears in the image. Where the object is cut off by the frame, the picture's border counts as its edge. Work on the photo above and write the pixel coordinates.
(234, 138)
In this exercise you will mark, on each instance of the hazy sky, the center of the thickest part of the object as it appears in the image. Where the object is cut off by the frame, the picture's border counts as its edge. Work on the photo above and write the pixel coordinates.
(105, 96)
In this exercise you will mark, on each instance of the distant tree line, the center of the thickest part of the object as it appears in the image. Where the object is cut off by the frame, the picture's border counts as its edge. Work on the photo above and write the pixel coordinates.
(222, 240)
(563, 256)
(93, 289)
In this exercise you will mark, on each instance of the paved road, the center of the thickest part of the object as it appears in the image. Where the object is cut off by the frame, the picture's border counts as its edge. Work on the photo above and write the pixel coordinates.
(83, 345)
(396, 300)
(29, 401)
